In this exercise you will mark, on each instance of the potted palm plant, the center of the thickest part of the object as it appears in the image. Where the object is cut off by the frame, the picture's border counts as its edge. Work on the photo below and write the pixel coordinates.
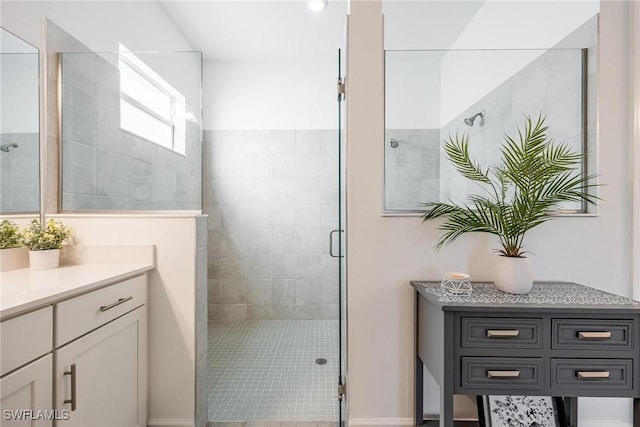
(523, 190)
(44, 243)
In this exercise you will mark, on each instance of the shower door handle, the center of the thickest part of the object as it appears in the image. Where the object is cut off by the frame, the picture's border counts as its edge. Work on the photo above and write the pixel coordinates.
(331, 243)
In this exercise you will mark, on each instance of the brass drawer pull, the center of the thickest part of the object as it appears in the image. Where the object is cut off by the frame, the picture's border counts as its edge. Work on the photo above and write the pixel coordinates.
(604, 335)
(590, 375)
(110, 306)
(503, 374)
(73, 401)
(502, 333)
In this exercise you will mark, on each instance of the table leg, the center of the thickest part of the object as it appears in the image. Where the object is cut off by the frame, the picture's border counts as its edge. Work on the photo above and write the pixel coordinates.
(571, 410)
(636, 412)
(419, 391)
(446, 407)
(418, 370)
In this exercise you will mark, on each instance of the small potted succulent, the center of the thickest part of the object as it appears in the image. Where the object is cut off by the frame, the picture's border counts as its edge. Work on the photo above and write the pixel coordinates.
(12, 256)
(9, 235)
(44, 243)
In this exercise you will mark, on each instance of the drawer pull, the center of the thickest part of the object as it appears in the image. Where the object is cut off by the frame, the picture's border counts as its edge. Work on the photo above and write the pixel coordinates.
(503, 374)
(73, 399)
(502, 333)
(591, 375)
(604, 335)
(115, 304)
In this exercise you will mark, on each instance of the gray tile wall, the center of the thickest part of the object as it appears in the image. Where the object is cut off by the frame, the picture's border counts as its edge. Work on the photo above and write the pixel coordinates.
(201, 334)
(20, 173)
(412, 168)
(272, 200)
(550, 85)
(105, 168)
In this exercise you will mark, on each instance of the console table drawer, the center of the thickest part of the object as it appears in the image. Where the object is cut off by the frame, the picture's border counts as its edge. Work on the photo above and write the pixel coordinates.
(500, 332)
(501, 372)
(592, 334)
(590, 374)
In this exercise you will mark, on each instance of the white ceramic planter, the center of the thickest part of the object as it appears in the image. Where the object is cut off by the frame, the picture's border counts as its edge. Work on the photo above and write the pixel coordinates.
(44, 260)
(513, 275)
(14, 258)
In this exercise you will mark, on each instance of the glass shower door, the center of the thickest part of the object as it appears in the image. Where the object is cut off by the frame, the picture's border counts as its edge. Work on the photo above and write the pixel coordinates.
(341, 253)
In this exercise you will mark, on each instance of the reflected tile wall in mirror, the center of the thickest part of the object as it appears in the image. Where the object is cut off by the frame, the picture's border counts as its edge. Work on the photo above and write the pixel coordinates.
(433, 92)
(19, 126)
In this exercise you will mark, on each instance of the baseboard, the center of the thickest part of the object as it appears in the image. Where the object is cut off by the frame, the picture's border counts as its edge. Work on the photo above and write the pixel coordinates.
(380, 421)
(604, 423)
(409, 422)
(170, 422)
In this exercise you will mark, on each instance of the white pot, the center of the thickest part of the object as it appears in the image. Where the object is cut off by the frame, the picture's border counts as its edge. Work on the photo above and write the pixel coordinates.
(14, 258)
(513, 275)
(44, 260)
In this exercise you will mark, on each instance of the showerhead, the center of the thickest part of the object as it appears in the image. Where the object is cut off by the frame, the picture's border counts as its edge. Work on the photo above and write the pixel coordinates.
(393, 143)
(470, 120)
(6, 147)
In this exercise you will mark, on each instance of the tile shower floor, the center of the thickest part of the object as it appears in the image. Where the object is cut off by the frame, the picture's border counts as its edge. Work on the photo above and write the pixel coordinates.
(265, 370)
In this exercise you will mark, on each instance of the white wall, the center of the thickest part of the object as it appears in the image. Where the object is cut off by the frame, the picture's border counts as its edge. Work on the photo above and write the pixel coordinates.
(271, 95)
(100, 25)
(385, 253)
(500, 24)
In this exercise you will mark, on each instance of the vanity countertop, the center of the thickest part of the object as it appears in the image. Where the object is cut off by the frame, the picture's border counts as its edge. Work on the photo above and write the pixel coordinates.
(25, 290)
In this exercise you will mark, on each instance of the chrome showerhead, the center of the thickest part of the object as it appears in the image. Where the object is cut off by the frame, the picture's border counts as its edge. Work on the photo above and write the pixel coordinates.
(393, 143)
(7, 147)
(470, 120)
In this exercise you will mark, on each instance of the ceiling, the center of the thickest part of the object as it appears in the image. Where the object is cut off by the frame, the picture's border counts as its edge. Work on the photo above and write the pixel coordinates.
(260, 30)
(239, 30)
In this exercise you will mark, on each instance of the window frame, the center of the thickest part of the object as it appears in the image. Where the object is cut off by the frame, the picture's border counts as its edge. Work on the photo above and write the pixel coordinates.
(176, 119)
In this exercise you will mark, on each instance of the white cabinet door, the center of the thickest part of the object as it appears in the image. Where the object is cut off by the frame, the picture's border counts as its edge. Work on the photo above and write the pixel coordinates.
(25, 395)
(110, 375)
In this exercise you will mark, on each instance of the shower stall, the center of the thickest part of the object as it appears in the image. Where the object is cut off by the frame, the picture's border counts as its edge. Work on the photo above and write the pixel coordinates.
(275, 273)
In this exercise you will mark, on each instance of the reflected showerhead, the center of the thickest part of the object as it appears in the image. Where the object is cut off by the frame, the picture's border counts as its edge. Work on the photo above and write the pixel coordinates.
(393, 143)
(470, 120)
(6, 147)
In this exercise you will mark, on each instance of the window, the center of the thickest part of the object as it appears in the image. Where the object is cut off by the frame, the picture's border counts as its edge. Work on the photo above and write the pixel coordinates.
(150, 108)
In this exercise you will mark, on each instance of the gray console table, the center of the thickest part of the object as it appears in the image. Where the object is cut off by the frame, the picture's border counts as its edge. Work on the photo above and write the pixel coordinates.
(561, 339)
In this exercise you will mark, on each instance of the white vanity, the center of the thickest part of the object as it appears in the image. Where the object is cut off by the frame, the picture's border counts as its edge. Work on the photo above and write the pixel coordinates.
(74, 345)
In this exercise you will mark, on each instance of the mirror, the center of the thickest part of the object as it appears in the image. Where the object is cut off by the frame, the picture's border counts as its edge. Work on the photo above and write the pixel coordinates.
(131, 131)
(479, 85)
(19, 126)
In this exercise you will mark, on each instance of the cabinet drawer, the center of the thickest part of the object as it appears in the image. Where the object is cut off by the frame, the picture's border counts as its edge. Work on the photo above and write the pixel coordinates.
(25, 338)
(79, 315)
(500, 372)
(500, 332)
(583, 334)
(590, 374)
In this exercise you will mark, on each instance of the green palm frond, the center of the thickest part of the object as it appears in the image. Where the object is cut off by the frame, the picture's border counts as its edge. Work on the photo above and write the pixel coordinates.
(457, 150)
(533, 179)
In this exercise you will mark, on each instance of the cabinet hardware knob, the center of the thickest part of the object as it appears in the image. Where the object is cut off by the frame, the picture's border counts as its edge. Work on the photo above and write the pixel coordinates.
(73, 399)
(603, 335)
(502, 333)
(503, 374)
(117, 303)
(591, 375)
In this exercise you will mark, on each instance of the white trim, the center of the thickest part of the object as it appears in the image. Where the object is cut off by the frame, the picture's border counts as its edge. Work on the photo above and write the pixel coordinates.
(170, 422)
(634, 84)
(380, 421)
(604, 423)
(409, 422)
